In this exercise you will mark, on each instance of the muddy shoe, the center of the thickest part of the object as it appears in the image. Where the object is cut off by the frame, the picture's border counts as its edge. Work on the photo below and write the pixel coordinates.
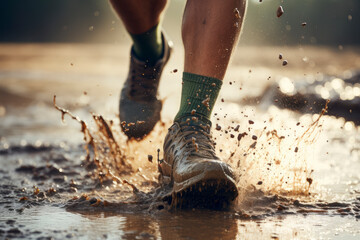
(139, 107)
(198, 176)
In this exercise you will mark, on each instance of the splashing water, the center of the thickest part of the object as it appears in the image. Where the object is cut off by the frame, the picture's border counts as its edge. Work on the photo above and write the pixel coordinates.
(274, 159)
(267, 157)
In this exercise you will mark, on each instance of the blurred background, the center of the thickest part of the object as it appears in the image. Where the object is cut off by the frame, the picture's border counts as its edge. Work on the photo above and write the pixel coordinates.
(329, 22)
(78, 50)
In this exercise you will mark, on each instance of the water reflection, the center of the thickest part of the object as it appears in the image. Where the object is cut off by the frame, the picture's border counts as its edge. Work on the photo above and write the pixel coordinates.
(198, 224)
(191, 224)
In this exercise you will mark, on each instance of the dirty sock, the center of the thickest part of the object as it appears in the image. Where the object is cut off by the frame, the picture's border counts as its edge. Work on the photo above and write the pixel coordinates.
(148, 46)
(198, 96)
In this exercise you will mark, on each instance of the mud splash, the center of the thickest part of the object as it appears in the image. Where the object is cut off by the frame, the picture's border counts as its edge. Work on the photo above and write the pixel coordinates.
(274, 178)
(45, 171)
(61, 176)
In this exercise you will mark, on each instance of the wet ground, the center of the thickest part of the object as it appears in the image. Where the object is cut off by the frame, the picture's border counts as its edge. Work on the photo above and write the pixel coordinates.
(298, 169)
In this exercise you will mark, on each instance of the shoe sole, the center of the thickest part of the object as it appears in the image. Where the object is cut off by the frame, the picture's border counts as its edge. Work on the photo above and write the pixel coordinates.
(210, 189)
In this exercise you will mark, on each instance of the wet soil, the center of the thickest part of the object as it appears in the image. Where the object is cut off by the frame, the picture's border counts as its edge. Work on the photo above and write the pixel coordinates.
(310, 94)
(298, 172)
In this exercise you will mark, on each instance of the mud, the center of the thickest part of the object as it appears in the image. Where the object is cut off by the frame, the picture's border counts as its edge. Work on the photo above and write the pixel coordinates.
(58, 179)
(309, 95)
(298, 173)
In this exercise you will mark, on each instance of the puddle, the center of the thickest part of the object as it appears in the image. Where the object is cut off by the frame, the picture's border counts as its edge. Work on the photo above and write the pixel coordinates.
(298, 177)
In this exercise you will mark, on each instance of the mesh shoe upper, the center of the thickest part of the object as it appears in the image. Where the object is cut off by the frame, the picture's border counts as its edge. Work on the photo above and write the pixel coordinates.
(189, 157)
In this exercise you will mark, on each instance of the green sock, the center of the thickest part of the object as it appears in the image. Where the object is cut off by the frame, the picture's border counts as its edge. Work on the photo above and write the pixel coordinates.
(198, 97)
(148, 46)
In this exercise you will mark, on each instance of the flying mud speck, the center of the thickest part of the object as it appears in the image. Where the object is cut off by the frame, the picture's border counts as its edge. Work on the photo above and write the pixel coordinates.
(280, 11)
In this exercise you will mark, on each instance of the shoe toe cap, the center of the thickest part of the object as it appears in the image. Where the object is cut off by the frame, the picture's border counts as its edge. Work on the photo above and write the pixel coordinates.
(206, 168)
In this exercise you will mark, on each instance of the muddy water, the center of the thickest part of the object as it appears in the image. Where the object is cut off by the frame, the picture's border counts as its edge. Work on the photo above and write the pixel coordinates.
(298, 177)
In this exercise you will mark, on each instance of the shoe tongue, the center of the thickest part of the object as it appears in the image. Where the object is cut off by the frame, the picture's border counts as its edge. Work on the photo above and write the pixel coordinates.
(196, 121)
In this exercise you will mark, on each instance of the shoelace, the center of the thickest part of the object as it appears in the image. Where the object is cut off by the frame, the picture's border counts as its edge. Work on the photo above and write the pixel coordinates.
(143, 80)
(197, 141)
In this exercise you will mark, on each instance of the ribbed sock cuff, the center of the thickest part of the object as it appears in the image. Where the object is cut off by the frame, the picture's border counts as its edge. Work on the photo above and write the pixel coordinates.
(198, 97)
(148, 46)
